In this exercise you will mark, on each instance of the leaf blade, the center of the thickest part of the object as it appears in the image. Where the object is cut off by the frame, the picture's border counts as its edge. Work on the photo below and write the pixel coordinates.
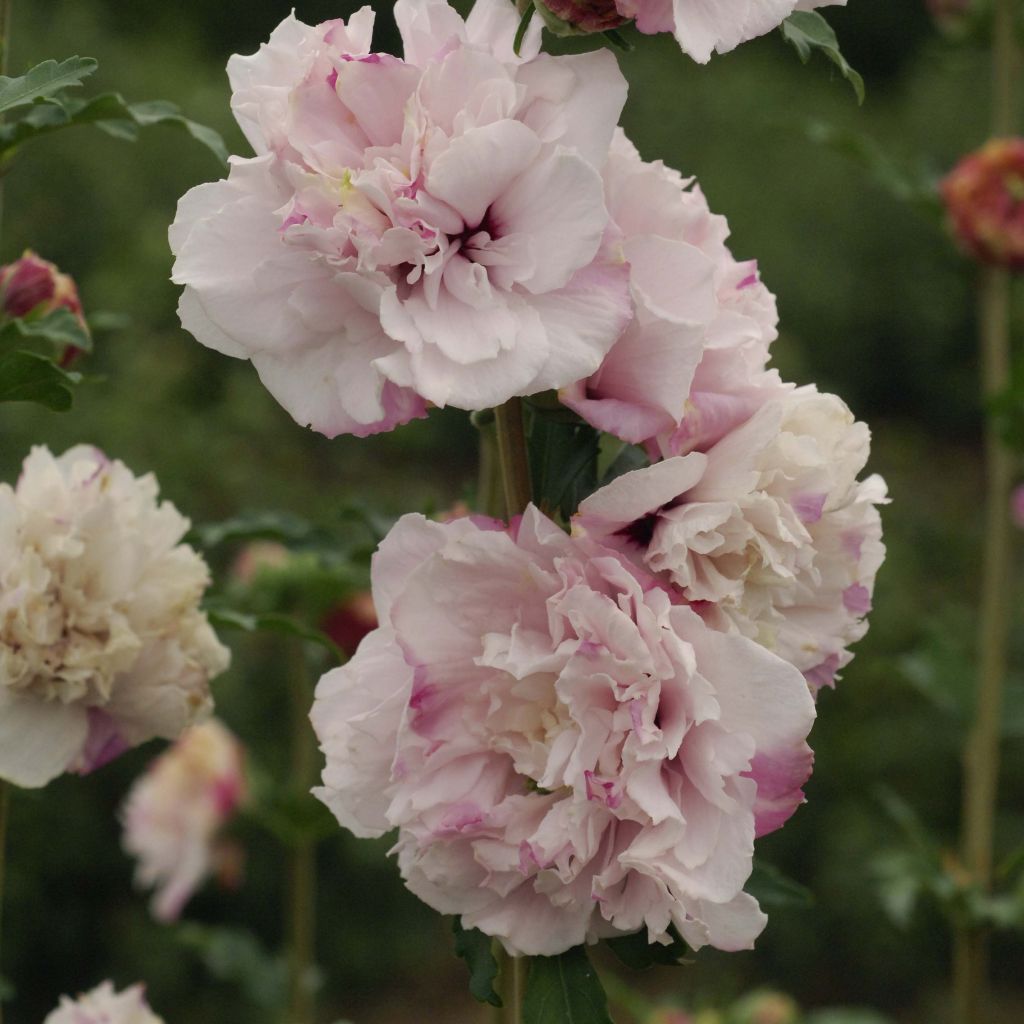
(564, 989)
(807, 31)
(44, 80)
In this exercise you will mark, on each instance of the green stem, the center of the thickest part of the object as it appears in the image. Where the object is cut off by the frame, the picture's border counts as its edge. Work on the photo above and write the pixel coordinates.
(5, 803)
(301, 911)
(6, 7)
(512, 455)
(490, 498)
(982, 749)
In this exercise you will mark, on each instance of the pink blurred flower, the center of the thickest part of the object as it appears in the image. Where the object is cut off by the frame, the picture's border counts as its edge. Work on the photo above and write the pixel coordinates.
(105, 1006)
(102, 642)
(769, 533)
(692, 363)
(426, 229)
(984, 196)
(565, 750)
(175, 811)
(702, 28)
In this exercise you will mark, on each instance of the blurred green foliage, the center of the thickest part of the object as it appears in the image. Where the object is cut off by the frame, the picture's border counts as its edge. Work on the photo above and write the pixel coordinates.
(876, 305)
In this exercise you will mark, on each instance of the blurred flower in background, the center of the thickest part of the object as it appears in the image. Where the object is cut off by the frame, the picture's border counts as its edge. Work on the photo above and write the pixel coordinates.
(102, 642)
(105, 1006)
(984, 197)
(176, 811)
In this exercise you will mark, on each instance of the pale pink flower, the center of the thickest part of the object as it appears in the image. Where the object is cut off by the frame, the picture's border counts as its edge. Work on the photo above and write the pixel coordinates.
(566, 751)
(703, 27)
(105, 1006)
(102, 642)
(174, 814)
(430, 228)
(692, 363)
(769, 533)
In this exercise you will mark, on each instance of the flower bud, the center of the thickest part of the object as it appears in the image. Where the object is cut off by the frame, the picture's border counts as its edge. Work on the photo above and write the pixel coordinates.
(348, 622)
(31, 288)
(579, 17)
(984, 196)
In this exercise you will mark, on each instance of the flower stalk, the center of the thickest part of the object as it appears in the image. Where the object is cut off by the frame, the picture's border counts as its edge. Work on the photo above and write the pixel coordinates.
(982, 751)
(5, 802)
(301, 911)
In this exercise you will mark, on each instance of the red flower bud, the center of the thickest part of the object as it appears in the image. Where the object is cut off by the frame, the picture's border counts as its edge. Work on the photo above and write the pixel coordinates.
(580, 17)
(31, 288)
(349, 622)
(984, 196)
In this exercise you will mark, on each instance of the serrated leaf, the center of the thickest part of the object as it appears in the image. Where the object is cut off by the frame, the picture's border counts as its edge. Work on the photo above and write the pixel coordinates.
(44, 80)
(639, 954)
(60, 330)
(474, 947)
(807, 31)
(771, 888)
(30, 377)
(564, 990)
(271, 622)
(111, 113)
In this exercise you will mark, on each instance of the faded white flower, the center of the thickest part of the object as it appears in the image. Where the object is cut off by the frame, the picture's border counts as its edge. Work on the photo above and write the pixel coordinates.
(102, 643)
(105, 1006)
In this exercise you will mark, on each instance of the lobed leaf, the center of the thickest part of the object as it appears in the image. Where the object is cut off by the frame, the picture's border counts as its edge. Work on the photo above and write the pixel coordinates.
(637, 952)
(60, 330)
(271, 622)
(807, 31)
(44, 80)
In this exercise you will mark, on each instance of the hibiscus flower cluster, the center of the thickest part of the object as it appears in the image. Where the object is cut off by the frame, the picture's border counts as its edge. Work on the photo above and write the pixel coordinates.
(577, 733)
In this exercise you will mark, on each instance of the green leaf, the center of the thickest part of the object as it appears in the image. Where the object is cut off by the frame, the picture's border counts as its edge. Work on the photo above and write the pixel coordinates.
(639, 954)
(563, 459)
(907, 182)
(236, 956)
(111, 113)
(808, 31)
(475, 948)
(279, 526)
(44, 80)
(564, 990)
(59, 330)
(30, 377)
(271, 622)
(771, 888)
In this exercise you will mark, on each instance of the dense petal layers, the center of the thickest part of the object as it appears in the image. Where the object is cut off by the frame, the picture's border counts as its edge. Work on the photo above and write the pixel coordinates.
(102, 643)
(430, 228)
(769, 533)
(566, 752)
(692, 362)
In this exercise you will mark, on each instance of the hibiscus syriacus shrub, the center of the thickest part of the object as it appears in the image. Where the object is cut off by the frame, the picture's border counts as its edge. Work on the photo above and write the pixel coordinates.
(575, 713)
(576, 720)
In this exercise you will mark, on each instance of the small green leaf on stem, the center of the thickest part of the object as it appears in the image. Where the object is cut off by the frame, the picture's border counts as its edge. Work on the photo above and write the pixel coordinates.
(807, 31)
(30, 377)
(564, 989)
(44, 80)
(474, 947)
(771, 888)
(59, 330)
(271, 622)
(639, 954)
